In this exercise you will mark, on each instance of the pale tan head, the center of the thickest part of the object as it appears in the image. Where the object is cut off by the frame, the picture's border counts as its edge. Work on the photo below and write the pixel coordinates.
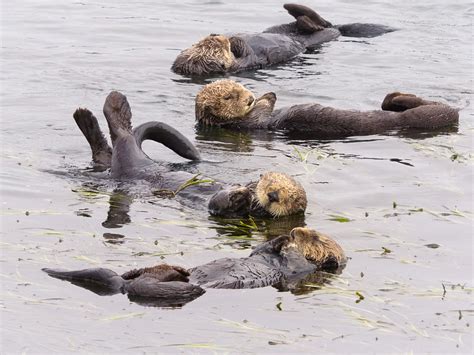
(223, 101)
(280, 195)
(315, 247)
(212, 54)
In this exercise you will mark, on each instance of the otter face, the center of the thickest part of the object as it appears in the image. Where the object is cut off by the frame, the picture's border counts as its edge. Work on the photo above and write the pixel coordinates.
(316, 247)
(280, 195)
(223, 101)
(210, 55)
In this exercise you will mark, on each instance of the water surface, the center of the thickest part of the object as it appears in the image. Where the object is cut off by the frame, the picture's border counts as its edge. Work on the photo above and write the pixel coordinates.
(400, 205)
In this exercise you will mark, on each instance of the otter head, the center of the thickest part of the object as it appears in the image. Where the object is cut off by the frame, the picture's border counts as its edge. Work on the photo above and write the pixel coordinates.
(212, 54)
(317, 248)
(278, 194)
(223, 101)
(274, 195)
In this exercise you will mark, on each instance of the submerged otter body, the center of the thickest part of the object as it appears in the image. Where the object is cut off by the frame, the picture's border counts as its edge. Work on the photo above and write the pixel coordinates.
(273, 195)
(284, 260)
(226, 103)
(220, 53)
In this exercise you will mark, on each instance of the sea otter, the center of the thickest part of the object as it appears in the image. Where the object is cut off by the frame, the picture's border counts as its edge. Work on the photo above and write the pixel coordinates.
(273, 195)
(229, 104)
(280, 262)
(216, 54)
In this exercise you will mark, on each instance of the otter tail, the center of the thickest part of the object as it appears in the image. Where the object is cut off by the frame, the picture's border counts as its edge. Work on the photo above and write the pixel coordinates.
(87, 123)
(118, 114)
(430, 116)
(98, 280)
(364, 30)
(168, 136)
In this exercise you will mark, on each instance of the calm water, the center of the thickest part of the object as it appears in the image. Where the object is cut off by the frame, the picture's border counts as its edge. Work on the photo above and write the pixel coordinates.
(399, 193)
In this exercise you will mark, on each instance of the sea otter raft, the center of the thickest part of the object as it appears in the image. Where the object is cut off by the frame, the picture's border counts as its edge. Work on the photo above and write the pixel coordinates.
(216, 54)
(229, 104)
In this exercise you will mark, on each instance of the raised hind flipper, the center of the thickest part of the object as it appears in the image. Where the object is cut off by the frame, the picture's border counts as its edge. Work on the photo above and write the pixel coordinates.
(168, 136)
(98, 280)
(398, 102)
(118, 114)
(307, 20)
(101, 151)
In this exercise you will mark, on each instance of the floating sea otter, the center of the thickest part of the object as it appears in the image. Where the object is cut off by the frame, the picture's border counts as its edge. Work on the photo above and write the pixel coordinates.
(229, 104)
(221, 54)
(281, 262)
(274, 195)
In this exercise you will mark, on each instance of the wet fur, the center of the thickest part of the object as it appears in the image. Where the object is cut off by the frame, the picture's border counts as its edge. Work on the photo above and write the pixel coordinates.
(216, 54)
(399, 111)
(280, 261)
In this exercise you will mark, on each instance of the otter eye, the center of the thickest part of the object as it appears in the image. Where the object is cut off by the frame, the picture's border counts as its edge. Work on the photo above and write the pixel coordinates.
(227, 97)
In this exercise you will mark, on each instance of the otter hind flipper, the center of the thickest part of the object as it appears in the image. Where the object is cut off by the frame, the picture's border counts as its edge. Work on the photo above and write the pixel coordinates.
(364, 30)
(87, 123)
(98, 280)
(168, 136)
(398, 102)
(118, 113)
(307, 20)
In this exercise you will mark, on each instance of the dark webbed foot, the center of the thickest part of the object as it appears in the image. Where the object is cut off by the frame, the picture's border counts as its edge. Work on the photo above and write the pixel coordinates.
(118, 114)
(398, 102)
(87, 123)
(306, 26)
(310, 20)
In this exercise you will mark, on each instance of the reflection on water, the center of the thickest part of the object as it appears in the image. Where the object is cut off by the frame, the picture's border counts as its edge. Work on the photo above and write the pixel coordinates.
(117, 214)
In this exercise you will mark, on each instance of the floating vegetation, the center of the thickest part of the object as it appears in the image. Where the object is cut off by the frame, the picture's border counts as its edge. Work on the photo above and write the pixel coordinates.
(191, 182)
(405, 210)
(19, 212)
(385, 251)
(442, 150)
(360, 295)
(208, 346)
(241, 229)
(338, 218)
(87, 259)
(124, 316)
(90, 192)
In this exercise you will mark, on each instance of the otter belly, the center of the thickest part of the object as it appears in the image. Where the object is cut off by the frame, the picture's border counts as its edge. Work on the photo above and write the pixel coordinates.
(271, 48)
(234, 273)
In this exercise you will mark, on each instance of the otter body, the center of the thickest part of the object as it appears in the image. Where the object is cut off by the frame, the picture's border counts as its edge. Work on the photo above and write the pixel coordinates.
(284, 260)
(226, 103)
(274, 195)
(278, 44)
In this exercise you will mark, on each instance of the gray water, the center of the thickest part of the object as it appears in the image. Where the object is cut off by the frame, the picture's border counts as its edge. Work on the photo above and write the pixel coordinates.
(401, 206)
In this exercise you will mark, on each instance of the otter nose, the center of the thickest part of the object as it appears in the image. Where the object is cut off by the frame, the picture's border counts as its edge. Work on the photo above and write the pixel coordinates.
(250, 101)
(273, 196)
